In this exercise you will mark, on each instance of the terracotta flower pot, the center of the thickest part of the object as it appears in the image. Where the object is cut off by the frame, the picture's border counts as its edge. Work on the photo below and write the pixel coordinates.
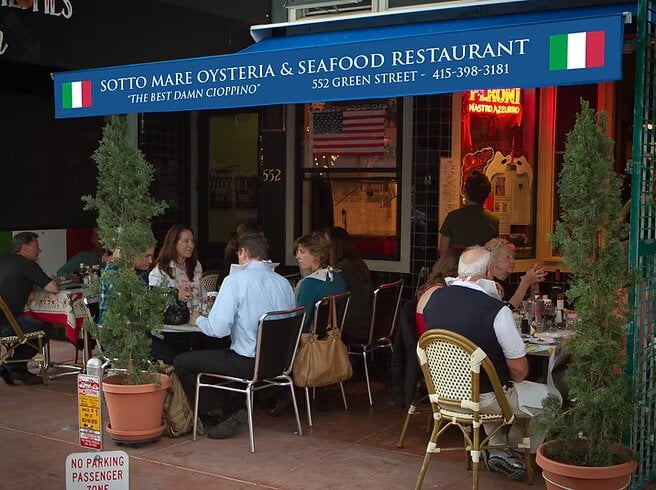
(135, 411)
(559, 475)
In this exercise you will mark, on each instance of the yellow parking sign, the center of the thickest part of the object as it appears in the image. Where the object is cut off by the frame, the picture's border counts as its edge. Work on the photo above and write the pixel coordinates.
(88, 397)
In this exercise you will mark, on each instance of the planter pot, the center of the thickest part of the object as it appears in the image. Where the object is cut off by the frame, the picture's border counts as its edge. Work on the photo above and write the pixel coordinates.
(558, 476)
(135, 411)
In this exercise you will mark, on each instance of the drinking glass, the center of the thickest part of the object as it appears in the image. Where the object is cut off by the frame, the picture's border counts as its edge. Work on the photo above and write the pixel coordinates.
(548, 314)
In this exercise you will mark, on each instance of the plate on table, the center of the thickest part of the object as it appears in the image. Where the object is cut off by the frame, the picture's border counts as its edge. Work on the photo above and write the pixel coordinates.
(541, 341)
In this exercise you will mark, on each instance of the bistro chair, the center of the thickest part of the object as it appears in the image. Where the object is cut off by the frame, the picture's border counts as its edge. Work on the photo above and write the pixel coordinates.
(384, 317)
(277, 340)
(320, 327)
(35, 340)
(451, 365)
(211, 280)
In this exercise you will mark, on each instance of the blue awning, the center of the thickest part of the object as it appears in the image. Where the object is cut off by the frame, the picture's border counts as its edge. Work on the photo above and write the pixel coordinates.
(529, 50)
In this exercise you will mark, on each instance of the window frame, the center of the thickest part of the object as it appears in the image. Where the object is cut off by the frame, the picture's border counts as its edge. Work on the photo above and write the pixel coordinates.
(295, 177)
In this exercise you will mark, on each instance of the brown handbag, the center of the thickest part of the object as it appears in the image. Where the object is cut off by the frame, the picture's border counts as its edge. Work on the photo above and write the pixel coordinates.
(322, 362)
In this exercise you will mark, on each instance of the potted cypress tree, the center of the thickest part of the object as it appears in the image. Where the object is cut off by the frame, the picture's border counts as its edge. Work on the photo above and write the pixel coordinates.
(588, 431)
(125, 209)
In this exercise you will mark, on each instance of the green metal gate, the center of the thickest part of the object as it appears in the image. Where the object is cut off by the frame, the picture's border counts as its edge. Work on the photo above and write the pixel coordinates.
(641, 335)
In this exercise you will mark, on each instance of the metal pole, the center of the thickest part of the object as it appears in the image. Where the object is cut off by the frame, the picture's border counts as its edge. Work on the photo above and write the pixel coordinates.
(96, 367)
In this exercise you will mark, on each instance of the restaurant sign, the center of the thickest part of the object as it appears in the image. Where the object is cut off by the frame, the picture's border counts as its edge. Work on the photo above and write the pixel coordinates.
(428, 58)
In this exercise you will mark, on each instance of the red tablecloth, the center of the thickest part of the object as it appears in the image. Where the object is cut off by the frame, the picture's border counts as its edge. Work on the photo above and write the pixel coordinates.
(65, 307)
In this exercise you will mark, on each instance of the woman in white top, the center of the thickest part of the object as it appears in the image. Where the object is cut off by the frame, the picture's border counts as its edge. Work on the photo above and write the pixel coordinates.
(177, 266)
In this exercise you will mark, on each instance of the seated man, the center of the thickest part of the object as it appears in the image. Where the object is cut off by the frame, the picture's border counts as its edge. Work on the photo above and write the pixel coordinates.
(243, 298)
(91, 256)
(470, 306)
(19, 273)
(141, 266)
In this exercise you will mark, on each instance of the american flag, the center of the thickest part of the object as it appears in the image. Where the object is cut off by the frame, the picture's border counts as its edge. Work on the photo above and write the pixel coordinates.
(348, 133)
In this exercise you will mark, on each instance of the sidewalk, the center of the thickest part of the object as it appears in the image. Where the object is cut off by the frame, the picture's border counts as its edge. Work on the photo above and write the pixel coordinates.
(357, 449)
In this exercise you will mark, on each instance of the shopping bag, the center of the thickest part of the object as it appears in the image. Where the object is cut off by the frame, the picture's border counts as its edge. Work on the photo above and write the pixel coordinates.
(178, 412)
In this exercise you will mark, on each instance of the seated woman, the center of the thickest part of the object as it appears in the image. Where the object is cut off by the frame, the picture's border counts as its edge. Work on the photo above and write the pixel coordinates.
(357, 277)
(446, 266)
(177, 266)
(502, 263)
(313, 255)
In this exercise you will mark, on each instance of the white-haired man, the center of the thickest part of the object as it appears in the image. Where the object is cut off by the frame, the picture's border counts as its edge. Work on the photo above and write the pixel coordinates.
(470, 306)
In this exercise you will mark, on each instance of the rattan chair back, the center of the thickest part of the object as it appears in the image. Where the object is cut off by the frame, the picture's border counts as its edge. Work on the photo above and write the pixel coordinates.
(452, 366)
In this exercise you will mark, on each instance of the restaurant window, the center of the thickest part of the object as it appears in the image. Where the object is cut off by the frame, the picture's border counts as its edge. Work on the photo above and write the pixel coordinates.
(351, 172)
(499, 140)
(228, 195)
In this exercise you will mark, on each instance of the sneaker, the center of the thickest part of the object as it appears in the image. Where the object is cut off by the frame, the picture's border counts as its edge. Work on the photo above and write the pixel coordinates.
(6, 375)
(506, 464)
(25, 377)
(212, 416)
(227, 428)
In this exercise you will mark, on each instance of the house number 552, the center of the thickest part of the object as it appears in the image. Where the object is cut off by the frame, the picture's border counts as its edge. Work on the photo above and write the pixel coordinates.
(271, 175)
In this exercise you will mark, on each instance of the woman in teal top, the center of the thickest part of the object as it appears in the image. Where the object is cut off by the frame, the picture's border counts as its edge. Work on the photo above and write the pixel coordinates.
(313, 255)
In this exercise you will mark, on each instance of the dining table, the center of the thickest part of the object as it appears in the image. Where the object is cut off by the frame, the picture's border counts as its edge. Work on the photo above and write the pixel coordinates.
(65, 308)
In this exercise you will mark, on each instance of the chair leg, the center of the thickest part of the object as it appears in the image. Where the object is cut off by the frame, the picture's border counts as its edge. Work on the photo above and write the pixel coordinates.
(404, 430)
(44, 360)
(412, 410)
(341, 387)
(475, 455)
(298, 418)
(249, 409)
(366, 375)
(193, 437)
(424, 466)
(307, 402)
(527, 451)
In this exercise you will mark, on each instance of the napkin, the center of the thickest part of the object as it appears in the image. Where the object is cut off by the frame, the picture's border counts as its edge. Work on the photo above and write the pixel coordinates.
(530, 396)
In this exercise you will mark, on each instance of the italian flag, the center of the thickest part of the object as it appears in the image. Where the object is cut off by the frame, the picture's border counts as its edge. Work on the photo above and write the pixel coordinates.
(76, 94)
(576, 50)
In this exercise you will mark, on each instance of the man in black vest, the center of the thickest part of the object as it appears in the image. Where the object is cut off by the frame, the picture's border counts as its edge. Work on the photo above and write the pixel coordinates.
(470, 306)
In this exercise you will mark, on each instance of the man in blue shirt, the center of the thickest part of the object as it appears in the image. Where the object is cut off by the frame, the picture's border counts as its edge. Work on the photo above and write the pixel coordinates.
(243, 298)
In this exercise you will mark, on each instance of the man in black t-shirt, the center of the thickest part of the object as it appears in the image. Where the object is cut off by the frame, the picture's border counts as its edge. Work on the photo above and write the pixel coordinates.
(19, 273)
(471, 224)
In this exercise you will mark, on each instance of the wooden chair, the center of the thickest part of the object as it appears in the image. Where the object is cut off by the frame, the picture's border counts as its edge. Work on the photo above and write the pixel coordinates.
(320, 326)
(451, 365)
(33, 339)
(384, 317)
(277, 340)
(211, 280)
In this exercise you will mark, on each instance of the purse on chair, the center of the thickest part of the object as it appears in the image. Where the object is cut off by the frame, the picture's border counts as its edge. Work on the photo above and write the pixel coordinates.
(322, 362)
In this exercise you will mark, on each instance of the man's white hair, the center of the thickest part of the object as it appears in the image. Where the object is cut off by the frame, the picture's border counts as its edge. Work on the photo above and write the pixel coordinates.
(474, 262)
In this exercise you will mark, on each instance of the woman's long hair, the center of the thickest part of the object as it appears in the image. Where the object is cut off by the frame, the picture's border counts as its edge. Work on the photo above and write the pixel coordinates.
(446, 266)
(168, 252)
(341, 250)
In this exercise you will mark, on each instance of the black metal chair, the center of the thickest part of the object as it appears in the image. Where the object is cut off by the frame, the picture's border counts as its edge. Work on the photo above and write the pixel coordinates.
(33, 339)
(384, 317)
(277, 341)
(320, 327)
